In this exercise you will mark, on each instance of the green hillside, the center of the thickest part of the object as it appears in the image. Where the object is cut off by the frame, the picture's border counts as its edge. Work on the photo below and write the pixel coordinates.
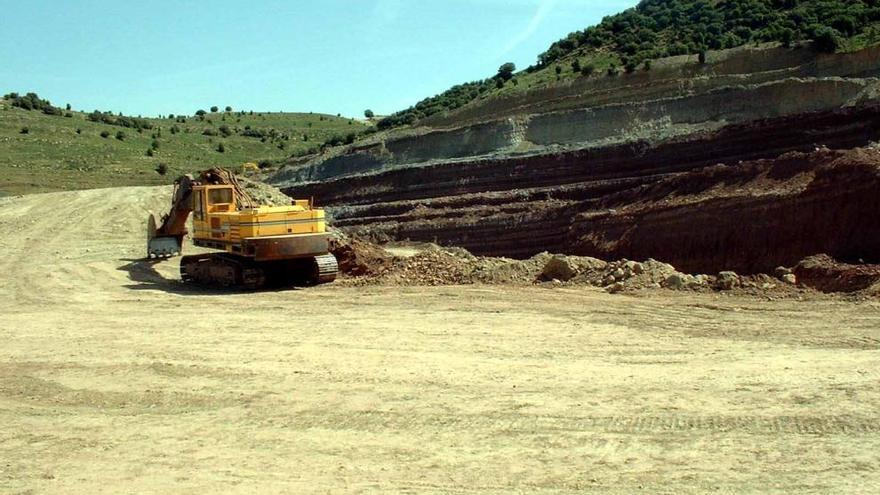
(654, 29)
(48, 148)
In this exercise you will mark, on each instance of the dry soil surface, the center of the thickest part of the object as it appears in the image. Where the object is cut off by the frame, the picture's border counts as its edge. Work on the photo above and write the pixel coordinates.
(114, 378)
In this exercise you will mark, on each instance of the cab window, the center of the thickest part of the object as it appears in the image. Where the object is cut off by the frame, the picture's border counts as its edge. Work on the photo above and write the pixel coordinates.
(198, 207)
(220, 196)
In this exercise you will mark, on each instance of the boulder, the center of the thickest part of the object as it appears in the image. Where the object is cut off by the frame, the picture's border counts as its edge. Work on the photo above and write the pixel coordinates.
(781, 271)
(677, 281)
(559, 268)
(635, 267)
(699, 282)
(727, 281)
(658, 271)
(614, 288)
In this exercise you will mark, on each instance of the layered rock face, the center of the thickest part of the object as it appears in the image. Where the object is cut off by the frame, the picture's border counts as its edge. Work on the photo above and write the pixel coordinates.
(615, 176)
(679, 97)
(748, 217)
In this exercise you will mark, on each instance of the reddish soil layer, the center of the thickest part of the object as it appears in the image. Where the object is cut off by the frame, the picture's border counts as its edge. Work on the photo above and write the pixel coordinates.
(824, 274)
(357, 257)
(748, 217)
(671, 202)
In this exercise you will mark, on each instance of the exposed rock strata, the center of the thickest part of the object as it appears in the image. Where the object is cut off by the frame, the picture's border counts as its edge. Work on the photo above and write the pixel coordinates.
(678, 98)
(628, 168)
(672, 202)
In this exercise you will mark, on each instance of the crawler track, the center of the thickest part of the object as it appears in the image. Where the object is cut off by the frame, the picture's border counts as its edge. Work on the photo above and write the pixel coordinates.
(326, 269)
(230, 271)
(222, 270)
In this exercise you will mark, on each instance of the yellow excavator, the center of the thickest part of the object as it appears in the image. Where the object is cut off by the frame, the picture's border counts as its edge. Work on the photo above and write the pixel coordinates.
(259, 245)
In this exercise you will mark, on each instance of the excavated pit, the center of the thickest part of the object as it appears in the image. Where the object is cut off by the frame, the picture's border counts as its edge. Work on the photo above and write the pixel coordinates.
(672, 202)
(709, 167)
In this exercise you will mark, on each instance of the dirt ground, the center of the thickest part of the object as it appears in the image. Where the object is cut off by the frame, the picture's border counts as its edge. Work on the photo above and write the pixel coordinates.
(115, 378)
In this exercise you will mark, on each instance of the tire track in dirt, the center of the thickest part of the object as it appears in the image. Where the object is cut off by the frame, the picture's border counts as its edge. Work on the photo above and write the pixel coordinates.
(377, 421)
(70, 240)
(747, 319)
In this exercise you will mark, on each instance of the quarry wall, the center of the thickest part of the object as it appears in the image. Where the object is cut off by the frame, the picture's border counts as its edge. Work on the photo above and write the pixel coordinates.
(677, 98)
(629, 168)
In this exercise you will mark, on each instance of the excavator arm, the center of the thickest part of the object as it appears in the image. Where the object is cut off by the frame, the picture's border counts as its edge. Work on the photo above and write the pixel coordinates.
(167, 239)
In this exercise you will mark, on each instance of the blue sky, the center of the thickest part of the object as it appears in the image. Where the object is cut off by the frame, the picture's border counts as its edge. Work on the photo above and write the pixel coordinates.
(331, 56)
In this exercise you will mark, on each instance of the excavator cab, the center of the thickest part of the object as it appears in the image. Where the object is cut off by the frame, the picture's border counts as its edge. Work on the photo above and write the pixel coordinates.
(212, 199)
(219, 198)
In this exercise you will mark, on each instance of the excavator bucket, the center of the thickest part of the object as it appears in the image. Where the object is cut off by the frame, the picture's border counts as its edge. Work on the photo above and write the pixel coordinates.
(161, 246)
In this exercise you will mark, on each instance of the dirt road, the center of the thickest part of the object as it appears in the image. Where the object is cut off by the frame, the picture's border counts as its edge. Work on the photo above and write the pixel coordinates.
(114, 378)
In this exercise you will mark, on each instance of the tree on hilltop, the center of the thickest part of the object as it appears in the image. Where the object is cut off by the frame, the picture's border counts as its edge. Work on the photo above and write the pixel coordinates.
(505, 72)
(826, 39)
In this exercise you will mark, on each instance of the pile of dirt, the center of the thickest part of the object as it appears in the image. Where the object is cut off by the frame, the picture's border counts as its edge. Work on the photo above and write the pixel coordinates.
(357, 257)
(823, 273)
(264, 194)
(365, 263)
(628, 276)
(430, 265)
(437, 266)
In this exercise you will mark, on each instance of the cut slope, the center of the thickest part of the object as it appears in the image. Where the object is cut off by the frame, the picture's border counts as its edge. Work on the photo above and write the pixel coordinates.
(623, 202)
(681, 99)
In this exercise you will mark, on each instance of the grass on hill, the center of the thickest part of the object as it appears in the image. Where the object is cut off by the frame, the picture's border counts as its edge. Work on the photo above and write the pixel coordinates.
(40, 152)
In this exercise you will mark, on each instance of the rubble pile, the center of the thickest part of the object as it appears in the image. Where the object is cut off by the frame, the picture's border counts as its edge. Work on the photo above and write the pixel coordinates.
(357, 257)
(823, 273)
(435, 265)
(264, 194)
